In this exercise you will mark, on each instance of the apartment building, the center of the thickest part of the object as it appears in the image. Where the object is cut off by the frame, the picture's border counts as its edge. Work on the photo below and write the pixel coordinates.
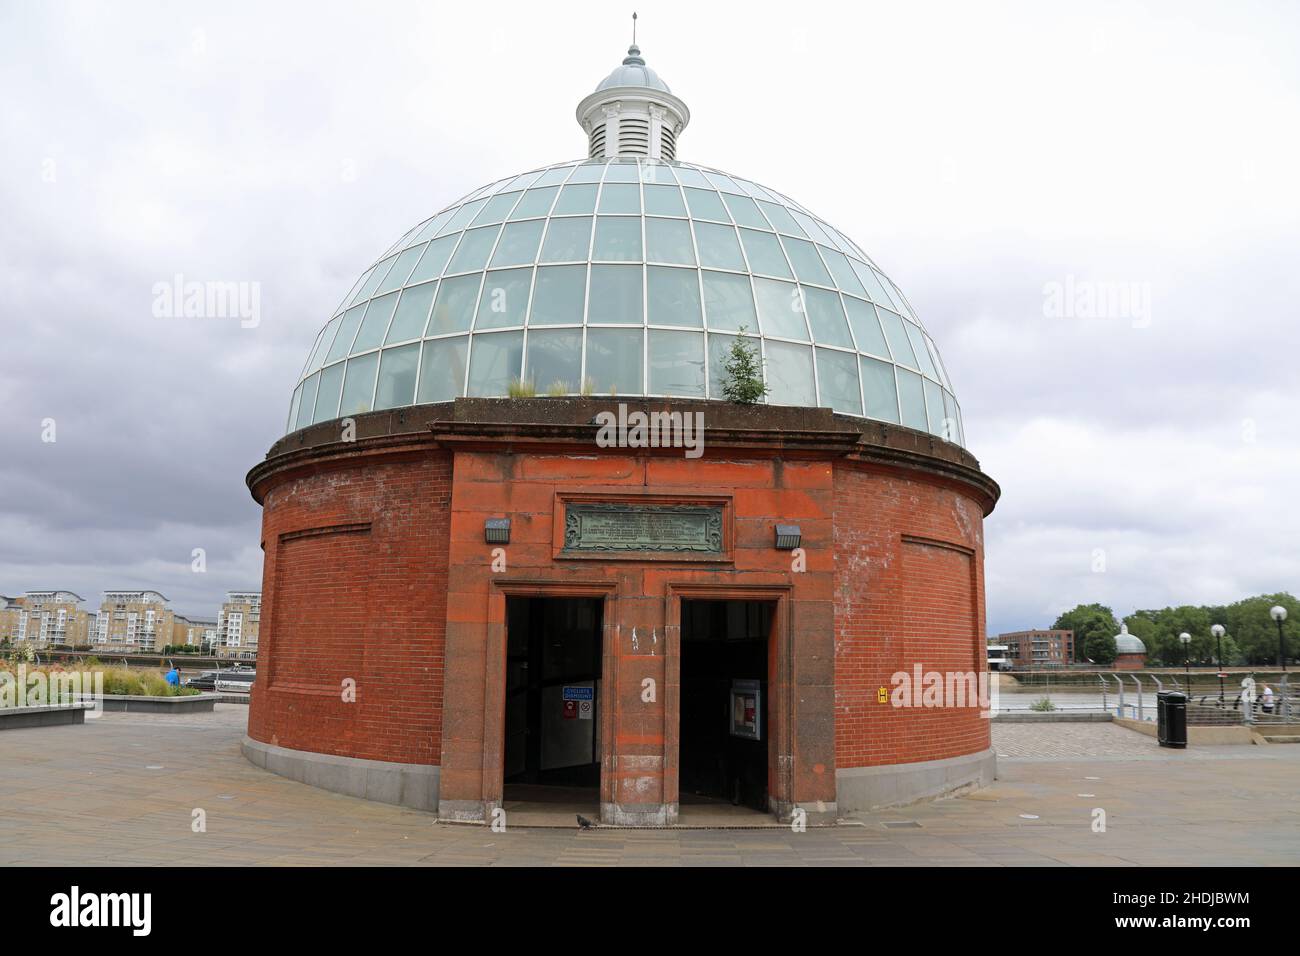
(1049, 648)
(135, 621)
(195, 632)
(238, 623)
(45, 619)
(11, 612)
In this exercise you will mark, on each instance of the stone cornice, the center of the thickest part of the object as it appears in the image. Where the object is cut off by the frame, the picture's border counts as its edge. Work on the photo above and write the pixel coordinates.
(557, 425)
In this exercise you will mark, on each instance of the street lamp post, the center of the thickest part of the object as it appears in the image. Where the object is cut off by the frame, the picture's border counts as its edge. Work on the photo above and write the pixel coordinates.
(1279, 614)
(1218, 632)
(1186, 640)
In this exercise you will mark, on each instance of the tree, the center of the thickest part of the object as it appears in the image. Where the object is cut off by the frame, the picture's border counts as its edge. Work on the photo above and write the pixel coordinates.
(743, 373)
(1087, 621)
(1101, 648)
(1255, 631)
(1159, 631)
(1251, 637)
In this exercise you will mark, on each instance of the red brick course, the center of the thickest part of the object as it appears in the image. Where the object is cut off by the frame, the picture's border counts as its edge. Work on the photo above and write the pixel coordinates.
(355, 587)
(909, 559)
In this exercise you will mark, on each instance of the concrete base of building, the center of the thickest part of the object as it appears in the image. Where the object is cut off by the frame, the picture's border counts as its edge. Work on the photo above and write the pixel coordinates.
(14, 718)
(190, 704)
(464, 811)
(401, 784)
(642, 815)
(871, 788)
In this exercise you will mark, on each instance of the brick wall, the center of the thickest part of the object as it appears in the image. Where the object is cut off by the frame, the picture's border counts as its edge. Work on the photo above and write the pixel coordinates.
(909, 589)
(355, 586)
(376, 570)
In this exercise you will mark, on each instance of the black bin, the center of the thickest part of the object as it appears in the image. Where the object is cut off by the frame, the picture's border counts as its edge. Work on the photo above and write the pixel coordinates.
(1171, 718)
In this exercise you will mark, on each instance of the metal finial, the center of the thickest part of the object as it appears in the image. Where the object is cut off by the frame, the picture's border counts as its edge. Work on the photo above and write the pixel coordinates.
(634, 28)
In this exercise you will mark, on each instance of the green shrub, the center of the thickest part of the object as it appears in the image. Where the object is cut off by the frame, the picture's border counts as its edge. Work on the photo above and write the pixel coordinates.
(122, 681)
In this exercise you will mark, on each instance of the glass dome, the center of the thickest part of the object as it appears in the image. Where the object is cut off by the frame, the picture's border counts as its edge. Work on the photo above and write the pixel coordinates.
(625, 277)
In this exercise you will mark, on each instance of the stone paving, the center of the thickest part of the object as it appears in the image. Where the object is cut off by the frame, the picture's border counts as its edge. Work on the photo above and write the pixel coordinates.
(1011, 741)
(122, 790)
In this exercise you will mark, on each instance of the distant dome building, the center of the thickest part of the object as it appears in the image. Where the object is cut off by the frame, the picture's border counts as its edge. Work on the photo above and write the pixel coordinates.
(1130, 652)
(650, 625)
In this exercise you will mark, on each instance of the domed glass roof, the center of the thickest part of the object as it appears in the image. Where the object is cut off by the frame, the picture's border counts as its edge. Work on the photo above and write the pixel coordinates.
(1126, 643)
(626, 277)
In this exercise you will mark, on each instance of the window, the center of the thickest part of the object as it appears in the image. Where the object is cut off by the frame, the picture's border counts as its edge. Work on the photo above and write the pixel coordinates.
(359, 384)
(397, 376)
(504, 299)
(789, 370)
(555, 359)
(718, 246)
(375, 324)
(615, 295)
(412, 314)
(729, 302)
(567, 240)
(676, 363)
(618, 237)
(780, 309)
(837, 380)
(558, 296)
(614, 360)
(495, 361)
(673, 296)
(442, 369)
(453, 308)
(518, 245)
(668, 240)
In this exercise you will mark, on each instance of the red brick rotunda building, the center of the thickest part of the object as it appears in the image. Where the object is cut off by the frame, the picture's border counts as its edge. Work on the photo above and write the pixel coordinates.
(519, 549)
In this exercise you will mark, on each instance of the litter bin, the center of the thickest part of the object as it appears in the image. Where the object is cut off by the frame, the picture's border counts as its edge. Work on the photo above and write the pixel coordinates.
(1171, 718)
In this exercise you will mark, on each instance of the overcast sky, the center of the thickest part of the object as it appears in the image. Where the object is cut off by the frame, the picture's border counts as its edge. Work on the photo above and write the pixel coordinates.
(988, 157)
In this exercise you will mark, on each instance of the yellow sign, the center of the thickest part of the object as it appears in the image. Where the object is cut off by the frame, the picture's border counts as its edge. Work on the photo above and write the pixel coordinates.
(882, 696)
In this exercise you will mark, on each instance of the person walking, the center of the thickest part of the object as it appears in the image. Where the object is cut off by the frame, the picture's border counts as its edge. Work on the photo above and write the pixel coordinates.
(1266, 699)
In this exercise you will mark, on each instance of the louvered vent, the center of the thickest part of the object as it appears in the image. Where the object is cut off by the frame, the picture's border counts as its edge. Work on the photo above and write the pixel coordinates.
(667, 143)
(597, 142)
(634, 137)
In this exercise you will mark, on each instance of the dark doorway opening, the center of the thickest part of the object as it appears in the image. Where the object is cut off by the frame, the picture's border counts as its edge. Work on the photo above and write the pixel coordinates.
(723, 738)
(552, 725)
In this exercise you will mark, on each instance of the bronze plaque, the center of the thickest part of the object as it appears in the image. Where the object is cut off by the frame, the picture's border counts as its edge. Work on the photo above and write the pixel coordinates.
(627, 526)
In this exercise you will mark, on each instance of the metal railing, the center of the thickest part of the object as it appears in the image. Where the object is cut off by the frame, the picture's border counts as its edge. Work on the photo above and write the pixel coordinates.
(1244, 704)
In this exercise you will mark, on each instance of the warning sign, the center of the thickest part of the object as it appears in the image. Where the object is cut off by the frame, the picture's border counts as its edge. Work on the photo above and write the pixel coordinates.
(578, 693)
(570, 710)
(585, 709)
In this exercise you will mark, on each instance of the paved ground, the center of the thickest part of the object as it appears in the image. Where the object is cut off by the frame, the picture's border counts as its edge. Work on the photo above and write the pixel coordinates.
(122, 790)
(1082, 740)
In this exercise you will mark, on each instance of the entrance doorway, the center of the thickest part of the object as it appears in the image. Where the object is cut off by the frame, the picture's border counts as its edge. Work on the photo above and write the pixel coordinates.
(552, 719)
(724, 734)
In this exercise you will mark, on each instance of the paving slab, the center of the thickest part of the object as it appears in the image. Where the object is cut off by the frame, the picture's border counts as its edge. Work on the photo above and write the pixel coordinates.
(122, 790)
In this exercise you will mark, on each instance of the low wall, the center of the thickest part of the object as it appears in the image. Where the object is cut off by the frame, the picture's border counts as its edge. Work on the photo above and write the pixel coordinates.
(1051, 717)
(1204, 736)
(15, 718)
(189, 704)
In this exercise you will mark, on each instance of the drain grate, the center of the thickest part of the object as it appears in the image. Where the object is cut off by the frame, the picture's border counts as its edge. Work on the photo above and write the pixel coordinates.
(899, 824)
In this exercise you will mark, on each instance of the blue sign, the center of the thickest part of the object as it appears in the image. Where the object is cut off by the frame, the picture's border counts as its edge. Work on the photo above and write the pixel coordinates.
(579, 693)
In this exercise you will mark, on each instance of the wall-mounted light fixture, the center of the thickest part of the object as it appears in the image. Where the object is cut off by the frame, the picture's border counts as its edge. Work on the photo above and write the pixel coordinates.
(496, 531)
(787, 537)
